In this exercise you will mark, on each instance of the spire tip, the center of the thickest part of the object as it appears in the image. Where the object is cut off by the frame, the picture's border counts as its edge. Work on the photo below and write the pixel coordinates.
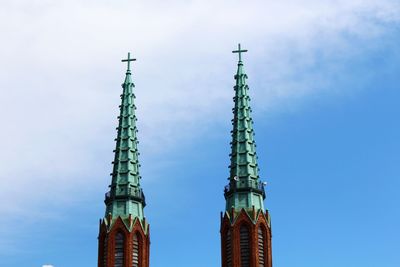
(128, 60)
(240, 51)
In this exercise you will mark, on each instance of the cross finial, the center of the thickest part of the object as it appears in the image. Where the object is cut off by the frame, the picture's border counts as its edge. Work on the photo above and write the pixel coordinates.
(239, 51)
(129, 59)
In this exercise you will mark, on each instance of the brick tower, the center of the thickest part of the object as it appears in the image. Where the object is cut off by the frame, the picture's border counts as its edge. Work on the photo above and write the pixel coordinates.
(245, 224)
(124, 238)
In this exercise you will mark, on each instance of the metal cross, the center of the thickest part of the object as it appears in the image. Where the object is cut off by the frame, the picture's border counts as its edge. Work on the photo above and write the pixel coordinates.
(129, 59)
(240, 51)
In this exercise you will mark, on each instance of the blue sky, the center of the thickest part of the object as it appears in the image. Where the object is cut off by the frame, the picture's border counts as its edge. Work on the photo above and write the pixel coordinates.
(324, 81)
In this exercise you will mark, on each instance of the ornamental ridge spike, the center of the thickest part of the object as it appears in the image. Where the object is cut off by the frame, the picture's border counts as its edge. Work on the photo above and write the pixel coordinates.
(126, 196)
(244, 189)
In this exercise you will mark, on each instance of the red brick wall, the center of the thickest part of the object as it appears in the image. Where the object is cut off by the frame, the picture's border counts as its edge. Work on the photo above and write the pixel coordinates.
(119, 226)
(253, 224)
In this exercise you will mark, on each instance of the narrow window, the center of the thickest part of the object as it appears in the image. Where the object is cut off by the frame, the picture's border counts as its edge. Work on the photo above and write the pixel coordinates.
(119, 250)
(135, 251)
(105, 251)
(261, 249)
(244, 246)
(228, 248)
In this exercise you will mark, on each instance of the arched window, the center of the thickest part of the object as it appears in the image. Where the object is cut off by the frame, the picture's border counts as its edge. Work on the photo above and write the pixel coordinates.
(261, 247)
(119, 250)
(228, 248)
(244, 246)
(135, 251)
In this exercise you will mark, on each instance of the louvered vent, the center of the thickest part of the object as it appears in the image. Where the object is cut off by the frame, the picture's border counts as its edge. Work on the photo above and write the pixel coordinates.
(228, 249)
(244, 246)
(135, 251)
(119, 250)
(105, 250)
(261, 249)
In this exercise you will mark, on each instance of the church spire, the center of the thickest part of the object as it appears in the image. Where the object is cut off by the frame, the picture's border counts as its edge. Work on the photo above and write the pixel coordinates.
(124, 234)
(125, 196)
(244, 189)
(245, 224)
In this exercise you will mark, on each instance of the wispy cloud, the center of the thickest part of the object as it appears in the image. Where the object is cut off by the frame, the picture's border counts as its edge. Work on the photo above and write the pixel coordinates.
(61, 73)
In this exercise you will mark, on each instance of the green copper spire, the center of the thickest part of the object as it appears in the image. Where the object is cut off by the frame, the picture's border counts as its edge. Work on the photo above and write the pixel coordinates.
(125, 196)
(244, 189)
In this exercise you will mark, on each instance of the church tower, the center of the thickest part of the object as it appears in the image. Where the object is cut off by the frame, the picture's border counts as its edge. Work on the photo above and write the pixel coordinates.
(245, 224)
(124, 237)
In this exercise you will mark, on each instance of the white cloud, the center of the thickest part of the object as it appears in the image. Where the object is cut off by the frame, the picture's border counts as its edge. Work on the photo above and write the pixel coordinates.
(60, 76)
(46, 265)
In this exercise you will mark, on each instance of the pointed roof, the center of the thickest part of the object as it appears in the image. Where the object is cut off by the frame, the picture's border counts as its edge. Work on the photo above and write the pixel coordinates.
(125, 196)
(244, 177)
(243, 155)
